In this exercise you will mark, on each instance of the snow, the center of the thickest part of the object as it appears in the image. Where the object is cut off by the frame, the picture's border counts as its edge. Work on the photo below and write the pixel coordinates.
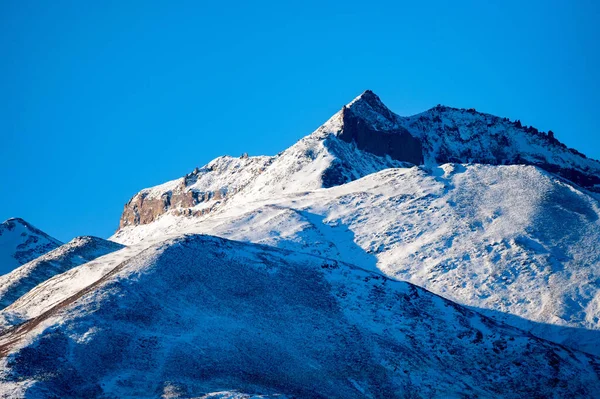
(509, 240)
(20, 242)
(256, 319)
(482, 236)
(514, 241)
(210, 178)
(78, 251)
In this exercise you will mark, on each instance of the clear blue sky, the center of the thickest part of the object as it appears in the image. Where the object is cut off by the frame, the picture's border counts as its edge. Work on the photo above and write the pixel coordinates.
(99, 99)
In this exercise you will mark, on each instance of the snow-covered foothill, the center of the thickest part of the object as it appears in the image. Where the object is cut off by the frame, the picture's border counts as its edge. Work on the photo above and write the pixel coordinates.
(200, 314)
(78, 251)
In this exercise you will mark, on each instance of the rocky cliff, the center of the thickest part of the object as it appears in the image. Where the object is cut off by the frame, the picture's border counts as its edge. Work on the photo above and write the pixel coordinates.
(197, 193)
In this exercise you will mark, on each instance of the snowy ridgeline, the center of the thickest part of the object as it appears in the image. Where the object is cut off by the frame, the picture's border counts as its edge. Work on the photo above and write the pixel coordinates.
(363, 138)
(307, 302)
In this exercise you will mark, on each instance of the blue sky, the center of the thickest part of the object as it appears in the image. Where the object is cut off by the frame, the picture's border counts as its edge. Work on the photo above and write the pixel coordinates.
(101, 99)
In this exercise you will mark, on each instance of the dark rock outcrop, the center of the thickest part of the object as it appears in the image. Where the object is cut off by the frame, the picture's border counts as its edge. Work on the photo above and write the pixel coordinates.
(398, 143)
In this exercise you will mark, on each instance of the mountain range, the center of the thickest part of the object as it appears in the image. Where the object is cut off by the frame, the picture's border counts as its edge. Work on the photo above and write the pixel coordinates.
(447, 254)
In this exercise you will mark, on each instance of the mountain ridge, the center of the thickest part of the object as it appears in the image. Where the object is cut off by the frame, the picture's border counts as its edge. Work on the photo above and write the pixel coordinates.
(364, 137)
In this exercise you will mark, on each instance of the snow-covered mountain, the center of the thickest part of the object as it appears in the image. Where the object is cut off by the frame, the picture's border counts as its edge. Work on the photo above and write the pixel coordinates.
(78, 251)
(198, 314)
(20, 242)
(517, 242)
(500, 220)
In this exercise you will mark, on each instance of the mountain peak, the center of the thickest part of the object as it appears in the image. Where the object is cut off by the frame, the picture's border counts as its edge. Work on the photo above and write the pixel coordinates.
(23, 225)
(367, 96)
(10, 224)
(369, 107)
(328, 157)
(15, 220)
(371, 125)
(21, 242)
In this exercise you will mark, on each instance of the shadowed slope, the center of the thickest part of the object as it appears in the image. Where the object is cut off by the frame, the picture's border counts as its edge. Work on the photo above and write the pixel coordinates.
(76, 252)
(200, 314)
(512, 239)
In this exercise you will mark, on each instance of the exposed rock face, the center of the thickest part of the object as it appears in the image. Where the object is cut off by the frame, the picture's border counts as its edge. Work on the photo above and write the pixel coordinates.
(398, 143)
(197, 193)
(144, 209)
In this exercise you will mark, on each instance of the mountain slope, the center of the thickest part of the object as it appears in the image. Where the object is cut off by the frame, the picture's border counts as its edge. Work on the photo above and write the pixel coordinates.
(514, 241)
(78, 251)
(198, 314)
(21, 242)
